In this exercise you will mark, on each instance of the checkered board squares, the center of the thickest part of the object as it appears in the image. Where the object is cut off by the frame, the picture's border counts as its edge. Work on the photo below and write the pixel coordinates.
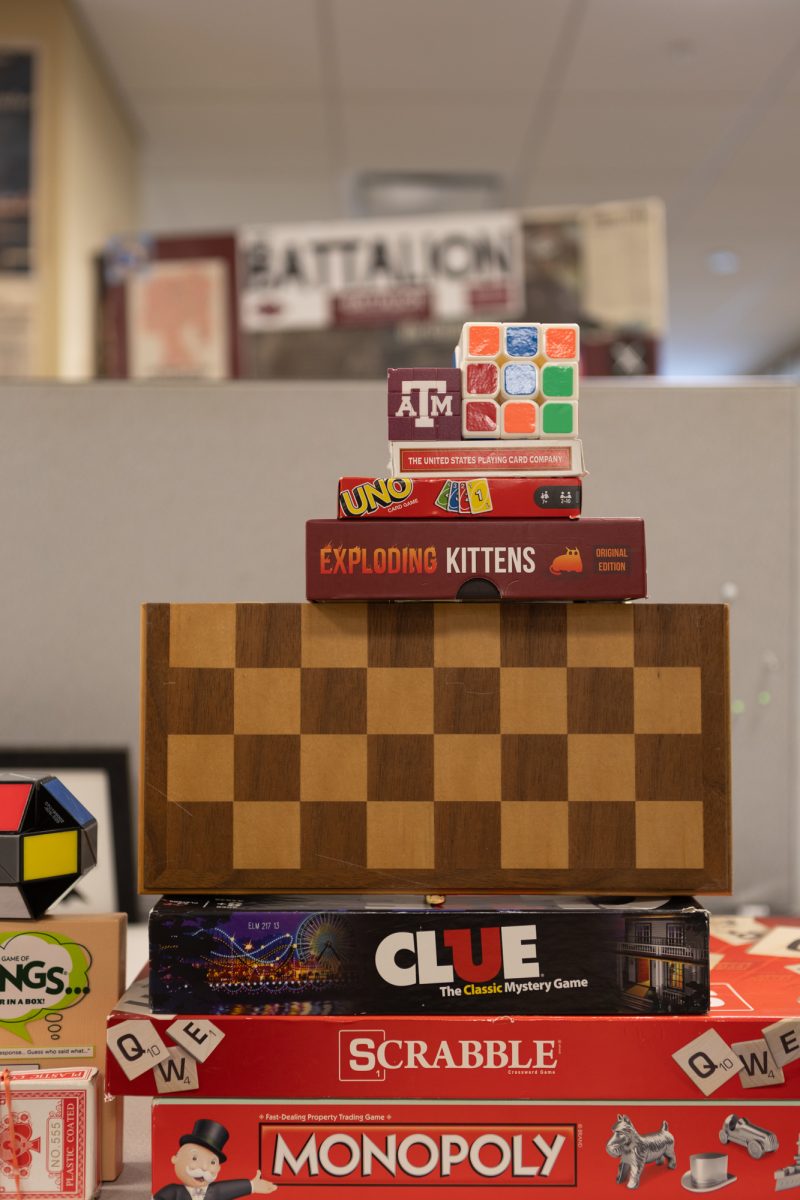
(529, 747)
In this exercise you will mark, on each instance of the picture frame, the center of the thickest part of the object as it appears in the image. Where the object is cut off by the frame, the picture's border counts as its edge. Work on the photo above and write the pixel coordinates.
(100, 779)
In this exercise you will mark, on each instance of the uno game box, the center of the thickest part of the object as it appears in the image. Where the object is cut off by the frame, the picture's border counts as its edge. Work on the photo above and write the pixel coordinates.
(429, 498)
(487, 559)
(474, 954)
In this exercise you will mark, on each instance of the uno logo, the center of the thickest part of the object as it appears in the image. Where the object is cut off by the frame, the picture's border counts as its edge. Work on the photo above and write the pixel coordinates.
(367, 498)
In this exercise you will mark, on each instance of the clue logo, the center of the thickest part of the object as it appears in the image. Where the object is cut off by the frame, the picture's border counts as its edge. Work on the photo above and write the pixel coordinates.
(41, 974)
(447, 958)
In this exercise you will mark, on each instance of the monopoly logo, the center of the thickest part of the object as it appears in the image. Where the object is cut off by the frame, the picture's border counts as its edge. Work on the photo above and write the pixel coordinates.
(466, 1156)
(507, 961)
(366, 1055)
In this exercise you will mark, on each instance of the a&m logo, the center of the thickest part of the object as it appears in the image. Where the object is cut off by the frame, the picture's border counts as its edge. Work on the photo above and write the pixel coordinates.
(424, 403)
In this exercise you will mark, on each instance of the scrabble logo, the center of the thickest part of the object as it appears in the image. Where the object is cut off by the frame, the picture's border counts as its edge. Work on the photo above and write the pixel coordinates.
(467, 1156)
(447, 958)
(365, 1055)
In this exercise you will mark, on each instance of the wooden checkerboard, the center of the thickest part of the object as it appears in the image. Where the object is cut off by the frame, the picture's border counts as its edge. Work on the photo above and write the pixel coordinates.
(419, 747)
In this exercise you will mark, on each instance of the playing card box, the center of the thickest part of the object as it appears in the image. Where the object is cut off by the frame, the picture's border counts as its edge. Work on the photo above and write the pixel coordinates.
(433, 498)
(377, 1149)
(745, 1049)
(59, 978)
(48, 1134)
(473, 954)
(547, 458)
(487, 559)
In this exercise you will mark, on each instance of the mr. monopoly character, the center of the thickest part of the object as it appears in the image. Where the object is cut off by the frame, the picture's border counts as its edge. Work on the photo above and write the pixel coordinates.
(197, 1165)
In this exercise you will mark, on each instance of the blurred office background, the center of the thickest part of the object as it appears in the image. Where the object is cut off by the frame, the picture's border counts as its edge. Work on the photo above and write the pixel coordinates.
(223, 200)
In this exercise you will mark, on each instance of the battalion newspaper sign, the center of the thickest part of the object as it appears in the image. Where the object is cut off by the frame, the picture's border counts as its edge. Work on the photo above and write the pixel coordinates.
(369, 273)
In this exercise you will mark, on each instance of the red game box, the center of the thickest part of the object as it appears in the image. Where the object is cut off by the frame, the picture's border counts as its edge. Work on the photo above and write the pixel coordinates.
(543, 457)
(49, 1144)
(427, 497)
(489, 559)
(377, 1150)
(746, 1049)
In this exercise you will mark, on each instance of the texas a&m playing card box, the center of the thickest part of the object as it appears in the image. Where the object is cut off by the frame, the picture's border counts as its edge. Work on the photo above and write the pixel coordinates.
(473, 954)
(431, 498)
(456, 559)
(49, 1135)
(746, 1049)
(547, 458)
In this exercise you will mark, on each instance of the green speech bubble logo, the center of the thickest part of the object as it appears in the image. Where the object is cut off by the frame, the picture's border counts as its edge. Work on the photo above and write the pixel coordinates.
(40, 974)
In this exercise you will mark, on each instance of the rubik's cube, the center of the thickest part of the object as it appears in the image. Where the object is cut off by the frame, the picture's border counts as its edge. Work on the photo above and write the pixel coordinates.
(48, 841)
(518, 380)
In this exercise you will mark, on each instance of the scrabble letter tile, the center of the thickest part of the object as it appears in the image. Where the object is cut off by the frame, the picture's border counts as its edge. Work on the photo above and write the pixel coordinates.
(759, 1068)
(709, 1061)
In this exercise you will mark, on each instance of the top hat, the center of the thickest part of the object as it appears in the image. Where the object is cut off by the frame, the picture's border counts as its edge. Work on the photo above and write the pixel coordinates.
(208, 1134)
(709, 1172)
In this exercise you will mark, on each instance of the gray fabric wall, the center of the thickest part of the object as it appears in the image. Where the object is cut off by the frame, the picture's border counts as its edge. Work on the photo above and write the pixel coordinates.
(113, 494)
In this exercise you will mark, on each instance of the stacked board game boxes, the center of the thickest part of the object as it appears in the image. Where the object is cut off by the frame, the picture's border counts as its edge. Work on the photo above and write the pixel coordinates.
(354, 812)
(59, 973)
(485, 464)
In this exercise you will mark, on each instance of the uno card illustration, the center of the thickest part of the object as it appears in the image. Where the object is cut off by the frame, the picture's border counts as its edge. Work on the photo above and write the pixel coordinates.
(480, 497)
(463, 499)
(444, 495)
(452, 503)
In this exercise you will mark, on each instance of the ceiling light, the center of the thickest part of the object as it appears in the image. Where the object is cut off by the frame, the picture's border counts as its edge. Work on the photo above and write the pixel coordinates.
(723, 262)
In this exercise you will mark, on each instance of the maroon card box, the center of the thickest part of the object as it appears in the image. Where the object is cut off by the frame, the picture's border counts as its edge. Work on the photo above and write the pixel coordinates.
(466, 560)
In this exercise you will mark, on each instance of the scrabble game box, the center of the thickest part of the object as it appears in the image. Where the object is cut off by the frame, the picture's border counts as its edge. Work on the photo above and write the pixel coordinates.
(474, 954)
(422, 497)
(746, 1049)
(456, 559)
(546, 458)
(59, 978)
(378, 1149)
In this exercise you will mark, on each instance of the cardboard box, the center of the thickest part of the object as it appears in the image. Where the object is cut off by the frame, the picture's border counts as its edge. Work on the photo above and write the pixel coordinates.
(746, 1049)
(459, 560)
(48, 1140)
(546, 458)
(378, 1149)
(369, 954)
(59, 978)
(434, 498)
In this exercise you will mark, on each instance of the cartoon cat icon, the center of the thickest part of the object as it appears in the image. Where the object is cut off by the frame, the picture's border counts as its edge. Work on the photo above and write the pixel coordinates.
(570, 560)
